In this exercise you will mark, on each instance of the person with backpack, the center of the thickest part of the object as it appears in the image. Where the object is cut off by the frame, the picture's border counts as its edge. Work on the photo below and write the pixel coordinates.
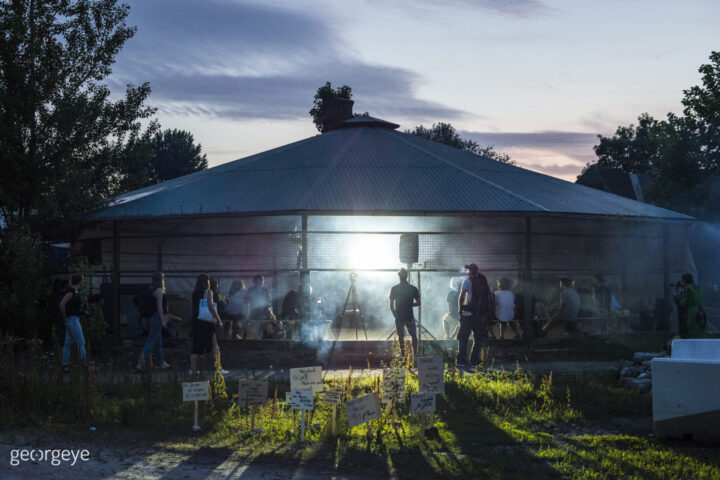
(71, 309)
(688, 297)
(153, 308)
(476, 304)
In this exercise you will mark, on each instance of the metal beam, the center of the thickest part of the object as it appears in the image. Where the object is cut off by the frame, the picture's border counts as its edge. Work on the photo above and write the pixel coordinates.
(528, 288)
(116, 281)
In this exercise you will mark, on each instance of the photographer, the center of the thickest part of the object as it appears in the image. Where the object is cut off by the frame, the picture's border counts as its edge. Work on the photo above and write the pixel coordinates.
(403, 297)
(688, 298)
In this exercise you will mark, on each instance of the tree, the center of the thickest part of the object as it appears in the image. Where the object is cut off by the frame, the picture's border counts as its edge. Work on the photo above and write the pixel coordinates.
(680, 154)
(62, 137)
(323, 98)
(446, 134)
(161, 157)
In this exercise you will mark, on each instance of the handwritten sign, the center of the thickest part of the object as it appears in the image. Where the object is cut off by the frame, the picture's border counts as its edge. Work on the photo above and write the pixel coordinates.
(393, 384)
(307, 378)
(431, 372)
(193, 391)
(362, 409)
(333, 397)
(301, 399)
(422, 402)
(252, 392)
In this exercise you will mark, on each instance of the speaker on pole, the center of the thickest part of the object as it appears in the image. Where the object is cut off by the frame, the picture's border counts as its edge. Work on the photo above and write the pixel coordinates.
(409, 248)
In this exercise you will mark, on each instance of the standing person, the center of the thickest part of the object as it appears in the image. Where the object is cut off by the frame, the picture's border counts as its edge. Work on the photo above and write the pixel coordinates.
(260, 307)
(475, 306)
(71, 308)
(601, 294)
(569, 305)
(203, 330)
(403, 297)
(505, 307)
(237, 308)
(451, 320)
(689, 298)
(154, 306)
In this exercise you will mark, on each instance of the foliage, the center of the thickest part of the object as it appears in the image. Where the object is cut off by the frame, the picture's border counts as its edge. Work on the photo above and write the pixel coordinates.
(61, 134)
(22, 282)
(160, 157)
(322, 98)
(446, 134)
(681, 154)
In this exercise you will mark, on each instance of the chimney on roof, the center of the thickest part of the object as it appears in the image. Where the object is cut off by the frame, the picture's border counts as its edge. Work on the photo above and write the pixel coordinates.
(337, 110)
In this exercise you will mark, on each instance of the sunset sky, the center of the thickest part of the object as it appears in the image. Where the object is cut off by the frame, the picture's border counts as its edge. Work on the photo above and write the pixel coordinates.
(539, 80)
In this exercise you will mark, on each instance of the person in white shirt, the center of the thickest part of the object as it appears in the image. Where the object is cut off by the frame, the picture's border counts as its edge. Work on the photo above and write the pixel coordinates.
(505, 307)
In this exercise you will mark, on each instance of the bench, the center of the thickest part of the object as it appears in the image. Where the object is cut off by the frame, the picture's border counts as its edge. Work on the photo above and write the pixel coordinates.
(686, 391)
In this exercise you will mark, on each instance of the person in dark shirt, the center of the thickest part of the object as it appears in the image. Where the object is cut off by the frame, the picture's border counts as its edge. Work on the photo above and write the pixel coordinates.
(71, 309)
(403, 297)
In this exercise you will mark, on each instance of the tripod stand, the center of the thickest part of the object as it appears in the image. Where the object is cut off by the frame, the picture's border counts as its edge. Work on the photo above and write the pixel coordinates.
(352, 299)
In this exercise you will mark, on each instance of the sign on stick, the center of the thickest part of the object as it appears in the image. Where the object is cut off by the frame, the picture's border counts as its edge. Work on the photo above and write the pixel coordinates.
(393, 384)
(362, 409)
(422, 402)
(301, 399)
(306, 378)
(194, 391)
(252, 392)
(431, 374)
(332, 397)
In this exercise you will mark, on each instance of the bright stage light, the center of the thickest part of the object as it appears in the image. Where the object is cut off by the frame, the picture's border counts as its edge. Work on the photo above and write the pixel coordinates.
(372, 251)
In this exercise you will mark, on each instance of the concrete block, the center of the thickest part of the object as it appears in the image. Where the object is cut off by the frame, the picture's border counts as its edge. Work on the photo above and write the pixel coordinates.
(631, 371)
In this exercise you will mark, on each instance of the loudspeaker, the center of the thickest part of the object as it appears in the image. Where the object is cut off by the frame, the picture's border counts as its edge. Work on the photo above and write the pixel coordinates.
(409, 248)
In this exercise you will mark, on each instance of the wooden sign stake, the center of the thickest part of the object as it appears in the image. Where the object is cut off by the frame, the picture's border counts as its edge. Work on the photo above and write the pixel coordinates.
(369, 432)
(196, 427)
(252, 417)
(333, 418)
(294, 415)
(302, 425)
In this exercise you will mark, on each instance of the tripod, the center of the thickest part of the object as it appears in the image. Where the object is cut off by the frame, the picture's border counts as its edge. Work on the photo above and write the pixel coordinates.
(352, 299)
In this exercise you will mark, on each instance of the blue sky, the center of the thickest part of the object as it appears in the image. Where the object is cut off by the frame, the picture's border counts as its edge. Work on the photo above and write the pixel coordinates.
(537, 79)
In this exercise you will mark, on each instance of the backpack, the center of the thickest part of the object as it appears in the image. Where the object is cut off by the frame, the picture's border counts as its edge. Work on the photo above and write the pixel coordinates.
(147, 307)
(482, 301)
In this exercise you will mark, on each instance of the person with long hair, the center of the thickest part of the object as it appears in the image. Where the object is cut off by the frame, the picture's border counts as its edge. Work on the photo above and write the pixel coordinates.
(203, 330)
(154, 299)
(71, 309)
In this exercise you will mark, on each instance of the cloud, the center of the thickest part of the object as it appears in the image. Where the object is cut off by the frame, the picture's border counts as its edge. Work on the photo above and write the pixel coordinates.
(558, 153)
(512, 8)
(230, 60)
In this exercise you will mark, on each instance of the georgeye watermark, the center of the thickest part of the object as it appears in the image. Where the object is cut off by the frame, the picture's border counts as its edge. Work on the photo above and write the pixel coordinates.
(55, 457)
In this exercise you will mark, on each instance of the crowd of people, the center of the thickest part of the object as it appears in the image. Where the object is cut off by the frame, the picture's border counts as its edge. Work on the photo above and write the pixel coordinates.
(473, 308)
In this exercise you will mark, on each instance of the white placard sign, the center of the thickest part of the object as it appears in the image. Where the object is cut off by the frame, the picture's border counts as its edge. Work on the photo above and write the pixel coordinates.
(431, 374)
(422, 402)
(393, 384)
(362, 409)
(301, 399)
(332, 397)
(306, 378)
(193, 391)
(252, 392)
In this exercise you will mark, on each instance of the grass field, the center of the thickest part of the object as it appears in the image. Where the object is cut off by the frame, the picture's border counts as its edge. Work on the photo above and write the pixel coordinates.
(490, 424)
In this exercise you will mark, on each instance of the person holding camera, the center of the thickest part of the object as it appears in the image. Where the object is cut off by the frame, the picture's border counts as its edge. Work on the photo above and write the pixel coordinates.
(403, 297)
(692, 322)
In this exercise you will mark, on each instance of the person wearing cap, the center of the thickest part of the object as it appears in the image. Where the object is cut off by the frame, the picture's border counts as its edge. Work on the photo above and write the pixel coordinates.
(474, 304)
(403, 297)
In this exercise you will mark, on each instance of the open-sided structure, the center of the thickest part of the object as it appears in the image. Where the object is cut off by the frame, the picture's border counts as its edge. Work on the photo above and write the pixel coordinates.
(339, 202)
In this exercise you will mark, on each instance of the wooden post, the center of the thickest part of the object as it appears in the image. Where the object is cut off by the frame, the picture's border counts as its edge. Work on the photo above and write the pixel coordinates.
(294, 416)
(527, 283)
(334, 414)
(195, 425)
(369, 432)
(116, 281)
(302, 425)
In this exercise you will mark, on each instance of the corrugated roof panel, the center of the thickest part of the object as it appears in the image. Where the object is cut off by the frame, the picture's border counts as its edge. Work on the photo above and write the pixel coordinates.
(366, 168)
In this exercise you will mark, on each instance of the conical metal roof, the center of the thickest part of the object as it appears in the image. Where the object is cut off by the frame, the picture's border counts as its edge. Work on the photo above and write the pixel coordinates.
(367, 167)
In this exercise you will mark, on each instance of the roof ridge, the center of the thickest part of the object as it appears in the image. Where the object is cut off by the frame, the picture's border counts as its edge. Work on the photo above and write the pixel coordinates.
(333, 163)
(473, 174)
